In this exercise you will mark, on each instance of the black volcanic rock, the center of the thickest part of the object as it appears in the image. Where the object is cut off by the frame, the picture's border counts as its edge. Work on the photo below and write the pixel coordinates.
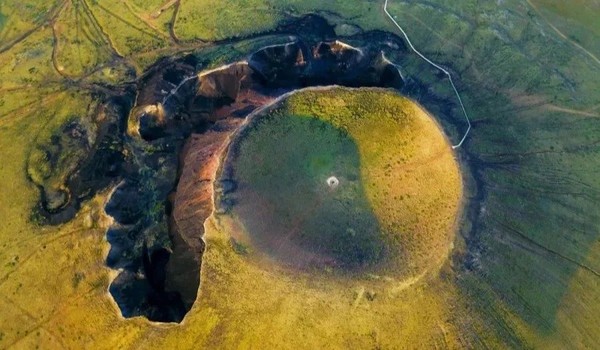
(295, 65)
(280, 65)
(83, 156)
(123, 241)
(126, 205)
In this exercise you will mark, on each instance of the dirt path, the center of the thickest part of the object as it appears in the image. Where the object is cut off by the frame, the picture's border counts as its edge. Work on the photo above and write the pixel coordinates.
(385, 10)
(561, 34)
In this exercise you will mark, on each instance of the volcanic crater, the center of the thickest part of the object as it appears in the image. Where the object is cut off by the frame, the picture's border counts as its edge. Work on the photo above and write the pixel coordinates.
(159, 143)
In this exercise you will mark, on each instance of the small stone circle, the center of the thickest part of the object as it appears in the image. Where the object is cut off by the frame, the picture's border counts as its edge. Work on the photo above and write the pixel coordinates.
(333, 182)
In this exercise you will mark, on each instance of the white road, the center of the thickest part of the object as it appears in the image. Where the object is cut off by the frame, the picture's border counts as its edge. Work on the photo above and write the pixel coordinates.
(436, 66)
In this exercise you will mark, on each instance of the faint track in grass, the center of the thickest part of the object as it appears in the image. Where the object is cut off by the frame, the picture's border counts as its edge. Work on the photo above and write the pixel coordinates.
(531, 245)
(553, 107)
(174, 36)
(561, 34)
(41, 323)
(128, 23)
(34, 252)
(104, 35)
(52, 14)
(148, 24)
(439, 68)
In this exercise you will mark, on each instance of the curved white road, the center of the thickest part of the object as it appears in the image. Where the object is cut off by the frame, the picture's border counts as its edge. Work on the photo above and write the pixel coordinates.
(436, 66)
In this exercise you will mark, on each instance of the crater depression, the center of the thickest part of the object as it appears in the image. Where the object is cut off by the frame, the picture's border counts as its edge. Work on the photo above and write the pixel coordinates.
(342, 179)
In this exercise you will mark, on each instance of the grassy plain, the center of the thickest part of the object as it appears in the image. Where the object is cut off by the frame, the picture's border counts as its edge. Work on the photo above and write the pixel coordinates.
(533, 254)
(576, 22)
(535, 115)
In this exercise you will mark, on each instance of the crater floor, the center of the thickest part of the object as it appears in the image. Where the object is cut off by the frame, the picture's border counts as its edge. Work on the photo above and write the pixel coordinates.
(342, 180)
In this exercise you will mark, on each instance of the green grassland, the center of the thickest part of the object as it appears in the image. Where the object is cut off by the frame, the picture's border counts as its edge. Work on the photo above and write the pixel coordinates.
(526, 275)
(223, 19)
(536, 125)
(576, 22)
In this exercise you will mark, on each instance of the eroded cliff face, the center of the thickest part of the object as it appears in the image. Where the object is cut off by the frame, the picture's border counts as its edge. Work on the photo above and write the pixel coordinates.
(167, 136)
